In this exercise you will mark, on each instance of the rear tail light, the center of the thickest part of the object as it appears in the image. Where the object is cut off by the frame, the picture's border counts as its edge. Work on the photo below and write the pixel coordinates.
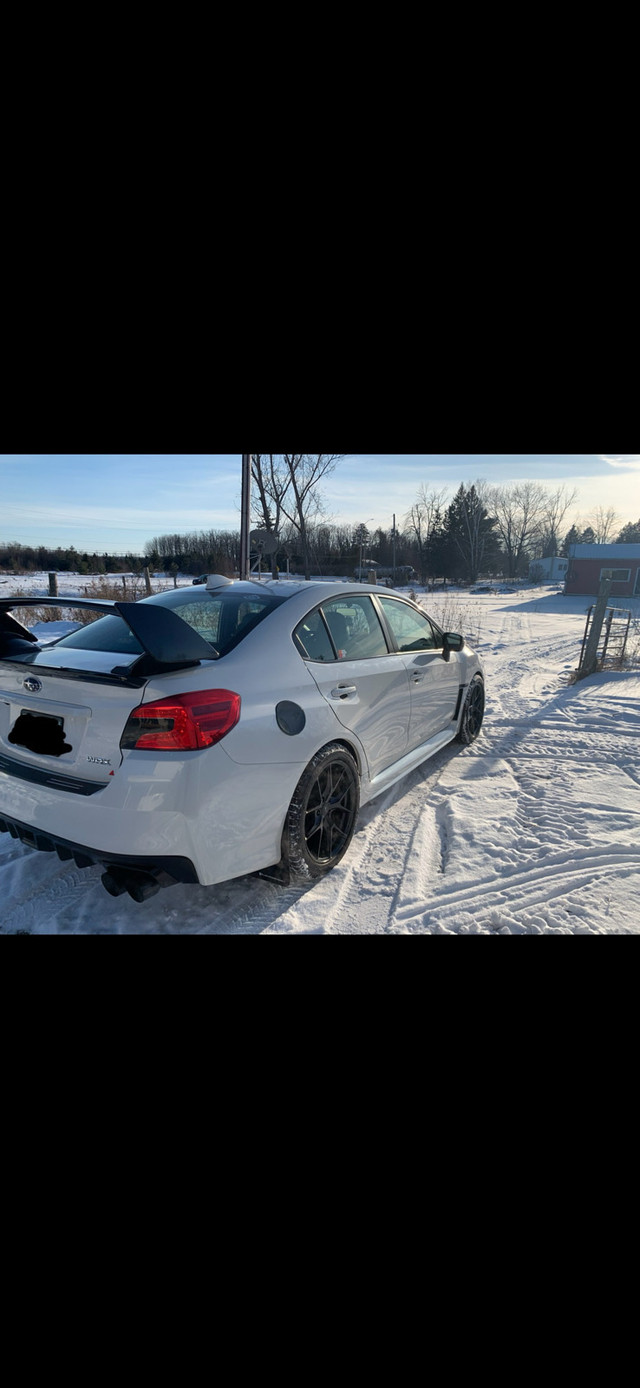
(184, 722)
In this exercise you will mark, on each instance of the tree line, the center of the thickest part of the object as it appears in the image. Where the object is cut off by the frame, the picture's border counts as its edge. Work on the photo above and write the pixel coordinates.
(483, 530)
(16, 558)
(501, 530)
(201, 551)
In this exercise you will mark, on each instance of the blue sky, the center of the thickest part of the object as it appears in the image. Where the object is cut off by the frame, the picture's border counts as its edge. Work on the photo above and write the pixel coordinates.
(100, 502)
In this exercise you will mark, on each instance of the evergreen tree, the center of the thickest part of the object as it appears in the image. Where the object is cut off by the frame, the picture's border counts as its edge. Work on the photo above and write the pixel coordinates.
(630, 534)
(473, 545)
(572, 537)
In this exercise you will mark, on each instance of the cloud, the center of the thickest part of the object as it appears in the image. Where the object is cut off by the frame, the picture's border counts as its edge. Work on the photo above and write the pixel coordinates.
(630, 460)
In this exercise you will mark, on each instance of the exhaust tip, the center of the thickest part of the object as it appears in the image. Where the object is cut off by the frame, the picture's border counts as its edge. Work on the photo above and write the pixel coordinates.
(111, 884)
(140, 885)
(141, 891)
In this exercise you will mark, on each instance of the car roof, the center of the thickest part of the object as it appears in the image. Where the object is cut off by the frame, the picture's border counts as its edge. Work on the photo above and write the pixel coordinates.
(276, 587)
(321, 587)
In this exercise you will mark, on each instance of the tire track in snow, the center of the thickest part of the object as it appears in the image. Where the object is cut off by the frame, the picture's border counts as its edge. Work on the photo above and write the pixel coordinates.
(329, 902)
(528, 888)
(401, 832)
(360, 895)
(62, 889)
(569, 885)
(263, 904)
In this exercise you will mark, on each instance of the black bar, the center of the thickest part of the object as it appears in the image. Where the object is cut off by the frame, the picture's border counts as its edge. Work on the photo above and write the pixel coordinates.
(245, 516)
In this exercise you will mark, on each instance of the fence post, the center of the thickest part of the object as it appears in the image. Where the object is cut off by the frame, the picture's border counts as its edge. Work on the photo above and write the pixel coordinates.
(147, 579)
(590, 657)
(53, 585)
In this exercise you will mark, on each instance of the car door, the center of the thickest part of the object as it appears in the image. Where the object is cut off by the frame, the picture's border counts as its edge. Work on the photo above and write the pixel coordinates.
(433, 681)
(344, 643)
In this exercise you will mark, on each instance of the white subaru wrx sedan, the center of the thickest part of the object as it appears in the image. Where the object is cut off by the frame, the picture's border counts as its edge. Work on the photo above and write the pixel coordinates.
(207, 732)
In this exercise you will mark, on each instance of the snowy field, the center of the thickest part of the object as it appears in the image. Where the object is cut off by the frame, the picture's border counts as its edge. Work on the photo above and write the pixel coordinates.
(534, 829)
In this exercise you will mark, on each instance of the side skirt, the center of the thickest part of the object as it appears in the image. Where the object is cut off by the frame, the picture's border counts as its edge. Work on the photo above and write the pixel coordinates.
(387, 778)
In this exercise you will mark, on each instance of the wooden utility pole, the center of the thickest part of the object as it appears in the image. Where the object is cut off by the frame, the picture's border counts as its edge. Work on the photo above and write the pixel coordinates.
(590, 657)
(245, 516)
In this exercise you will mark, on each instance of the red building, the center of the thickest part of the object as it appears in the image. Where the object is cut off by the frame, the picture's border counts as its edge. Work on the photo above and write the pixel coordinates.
(588, 563)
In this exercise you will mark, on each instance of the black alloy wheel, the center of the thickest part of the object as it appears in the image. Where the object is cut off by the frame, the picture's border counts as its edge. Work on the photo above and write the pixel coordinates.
(322, 815)
(473, 712)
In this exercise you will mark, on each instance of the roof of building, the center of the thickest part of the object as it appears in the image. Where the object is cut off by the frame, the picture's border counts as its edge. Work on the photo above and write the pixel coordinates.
(604, 552)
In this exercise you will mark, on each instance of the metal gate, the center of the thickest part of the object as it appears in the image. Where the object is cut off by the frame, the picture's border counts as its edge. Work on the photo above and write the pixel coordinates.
(613, 638)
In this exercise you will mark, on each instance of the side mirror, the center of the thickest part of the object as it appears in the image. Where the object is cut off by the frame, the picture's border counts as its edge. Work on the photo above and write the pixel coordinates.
(452, 641)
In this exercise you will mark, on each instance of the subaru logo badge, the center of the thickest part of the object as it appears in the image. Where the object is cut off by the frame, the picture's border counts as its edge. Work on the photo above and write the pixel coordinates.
(32, 685)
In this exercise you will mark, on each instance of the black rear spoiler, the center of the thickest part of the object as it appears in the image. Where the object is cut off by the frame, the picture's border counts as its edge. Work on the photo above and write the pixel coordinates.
(167, 642)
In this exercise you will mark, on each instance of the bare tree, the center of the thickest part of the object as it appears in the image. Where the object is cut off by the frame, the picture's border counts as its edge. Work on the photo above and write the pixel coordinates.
(289, 543)
(287, 489)
(302, 503)
(272, 482)
(519, 512)
(554, 510)
(603, 524)
(422, 520)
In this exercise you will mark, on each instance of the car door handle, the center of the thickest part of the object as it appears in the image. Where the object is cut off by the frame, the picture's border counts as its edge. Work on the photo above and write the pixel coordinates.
(343, 690)
(417, 679)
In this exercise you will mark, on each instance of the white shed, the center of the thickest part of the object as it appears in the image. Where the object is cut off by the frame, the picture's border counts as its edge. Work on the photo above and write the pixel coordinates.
(553, 569)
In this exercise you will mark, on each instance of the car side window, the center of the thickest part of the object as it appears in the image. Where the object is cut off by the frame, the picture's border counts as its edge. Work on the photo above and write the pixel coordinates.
(355, 628)
(412, 630)
(312, 638)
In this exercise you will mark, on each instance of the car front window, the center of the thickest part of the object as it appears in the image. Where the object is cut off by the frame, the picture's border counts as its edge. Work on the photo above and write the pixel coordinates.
(355, 628)
(412, 630)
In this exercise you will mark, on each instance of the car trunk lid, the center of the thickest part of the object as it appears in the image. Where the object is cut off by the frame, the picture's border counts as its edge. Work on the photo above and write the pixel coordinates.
(63, 708)
(62, 720)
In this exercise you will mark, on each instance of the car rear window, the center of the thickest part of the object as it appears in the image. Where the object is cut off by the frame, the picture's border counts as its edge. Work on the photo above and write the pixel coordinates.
(222, 618)
(107, 634)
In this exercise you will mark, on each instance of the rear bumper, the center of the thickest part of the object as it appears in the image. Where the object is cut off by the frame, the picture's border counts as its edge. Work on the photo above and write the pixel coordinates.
(198, 815)
(165, 869)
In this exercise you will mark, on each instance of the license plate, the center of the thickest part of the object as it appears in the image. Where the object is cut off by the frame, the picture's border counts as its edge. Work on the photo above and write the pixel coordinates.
(42, 733)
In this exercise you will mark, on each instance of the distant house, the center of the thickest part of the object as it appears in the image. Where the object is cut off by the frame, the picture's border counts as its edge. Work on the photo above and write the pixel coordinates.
(587, 563)
(550, 570)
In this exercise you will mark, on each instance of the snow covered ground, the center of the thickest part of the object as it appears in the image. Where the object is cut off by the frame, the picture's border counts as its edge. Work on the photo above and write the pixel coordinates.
(534, 829)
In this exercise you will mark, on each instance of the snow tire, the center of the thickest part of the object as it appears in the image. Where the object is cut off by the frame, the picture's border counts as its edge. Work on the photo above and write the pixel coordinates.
(472, 712)
(322, 815)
